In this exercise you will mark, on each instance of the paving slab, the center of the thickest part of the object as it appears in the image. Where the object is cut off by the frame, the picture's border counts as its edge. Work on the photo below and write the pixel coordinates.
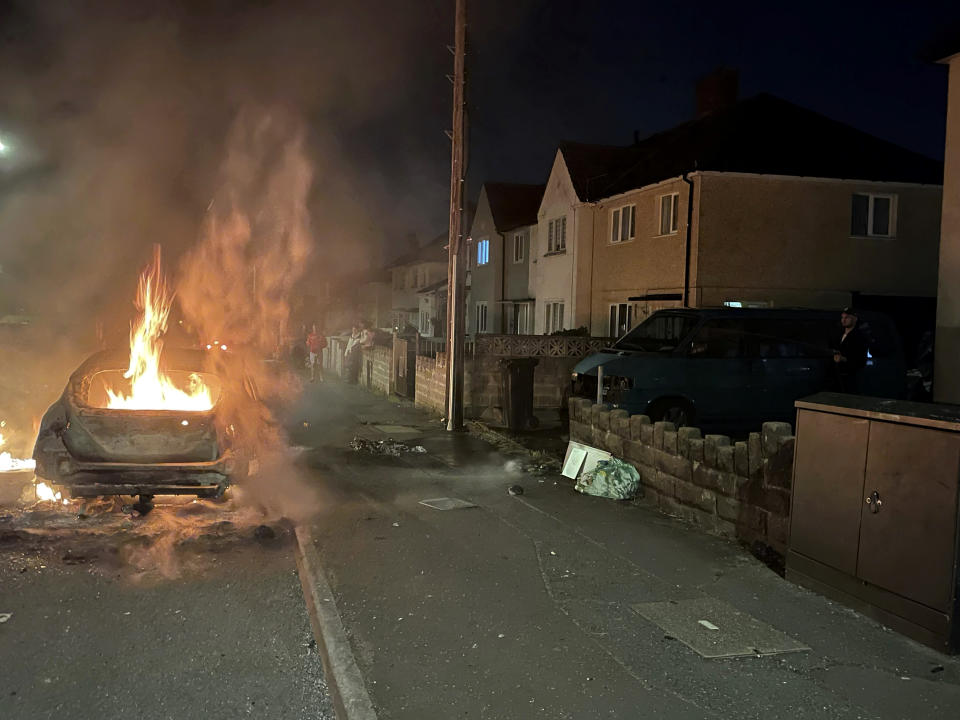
(714, 629)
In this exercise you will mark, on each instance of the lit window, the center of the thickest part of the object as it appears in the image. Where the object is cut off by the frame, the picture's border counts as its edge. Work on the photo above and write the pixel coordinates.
(483, 252)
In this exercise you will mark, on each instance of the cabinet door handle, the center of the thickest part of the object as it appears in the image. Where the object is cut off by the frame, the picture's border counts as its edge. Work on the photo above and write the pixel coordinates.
(874, 501)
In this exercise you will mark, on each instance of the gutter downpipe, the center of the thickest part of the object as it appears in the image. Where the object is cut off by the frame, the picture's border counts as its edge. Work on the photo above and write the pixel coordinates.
(686, 260)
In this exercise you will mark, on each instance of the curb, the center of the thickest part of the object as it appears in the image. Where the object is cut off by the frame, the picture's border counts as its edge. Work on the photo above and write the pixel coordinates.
(347, 689)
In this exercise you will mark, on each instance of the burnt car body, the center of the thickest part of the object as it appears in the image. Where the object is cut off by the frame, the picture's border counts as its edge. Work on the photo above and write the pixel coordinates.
(88, 449)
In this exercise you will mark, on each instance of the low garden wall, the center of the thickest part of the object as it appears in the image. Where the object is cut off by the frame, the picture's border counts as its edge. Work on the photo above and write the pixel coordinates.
(734, 489)
(376, 366)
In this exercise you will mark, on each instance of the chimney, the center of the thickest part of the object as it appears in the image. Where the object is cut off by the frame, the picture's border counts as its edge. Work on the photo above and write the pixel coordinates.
(717, 90)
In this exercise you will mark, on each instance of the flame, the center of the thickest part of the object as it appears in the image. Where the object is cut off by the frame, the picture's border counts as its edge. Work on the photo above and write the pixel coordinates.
(151, 389)
(8, 462)
(45, 493)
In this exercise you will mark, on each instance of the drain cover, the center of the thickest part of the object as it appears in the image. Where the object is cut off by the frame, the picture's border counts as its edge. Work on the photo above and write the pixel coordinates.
(715, 629)
(447, 503)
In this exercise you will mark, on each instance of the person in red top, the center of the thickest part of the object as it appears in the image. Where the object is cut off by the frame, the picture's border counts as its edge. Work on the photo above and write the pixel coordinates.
(316, 342)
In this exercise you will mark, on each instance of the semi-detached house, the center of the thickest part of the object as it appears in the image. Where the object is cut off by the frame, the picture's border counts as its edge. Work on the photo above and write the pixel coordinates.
(762, 203)
(499, 247)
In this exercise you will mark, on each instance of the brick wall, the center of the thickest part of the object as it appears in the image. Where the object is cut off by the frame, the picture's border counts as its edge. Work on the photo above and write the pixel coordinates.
(734, 489)
(482, 374)
(376, 365)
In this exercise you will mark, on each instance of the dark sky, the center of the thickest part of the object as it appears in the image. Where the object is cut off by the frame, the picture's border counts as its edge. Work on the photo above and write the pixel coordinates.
(598, 71)
(120, 109)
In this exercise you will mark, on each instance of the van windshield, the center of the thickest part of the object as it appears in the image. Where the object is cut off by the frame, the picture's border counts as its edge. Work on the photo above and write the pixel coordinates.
(661, 332)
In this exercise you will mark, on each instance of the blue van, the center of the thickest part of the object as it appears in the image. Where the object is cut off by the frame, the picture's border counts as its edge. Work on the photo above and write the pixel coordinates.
(733, 369)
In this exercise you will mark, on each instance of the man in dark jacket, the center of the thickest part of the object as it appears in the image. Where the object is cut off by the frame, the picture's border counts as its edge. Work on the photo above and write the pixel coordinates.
(850, 354)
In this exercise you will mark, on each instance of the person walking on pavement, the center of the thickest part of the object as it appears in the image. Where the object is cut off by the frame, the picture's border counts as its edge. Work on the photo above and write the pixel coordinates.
(850, 354)
(316, 342)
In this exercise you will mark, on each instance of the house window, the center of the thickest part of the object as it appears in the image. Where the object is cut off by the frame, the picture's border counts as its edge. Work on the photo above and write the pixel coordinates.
(669, 221)
(557, 235)
(620, 314)
(554, 317)
(873, 215)
(623, 222)
(483, 252)
(481, 315)
(518, 247)
(522, 319)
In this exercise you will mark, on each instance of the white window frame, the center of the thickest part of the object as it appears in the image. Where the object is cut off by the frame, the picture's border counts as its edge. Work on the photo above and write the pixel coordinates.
(483, 251)
(871, 204)
(674, 224)
(616, 223)
(524, 319)
(557, 235)
(518, 249)
(554, 316)
(482, 316)
(617, 310)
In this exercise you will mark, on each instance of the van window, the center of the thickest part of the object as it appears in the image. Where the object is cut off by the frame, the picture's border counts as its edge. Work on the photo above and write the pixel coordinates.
(720, 339)
(792, 337)
(661, 332)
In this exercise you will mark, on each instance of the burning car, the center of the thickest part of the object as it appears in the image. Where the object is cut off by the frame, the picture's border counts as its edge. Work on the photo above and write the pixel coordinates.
(149, 420)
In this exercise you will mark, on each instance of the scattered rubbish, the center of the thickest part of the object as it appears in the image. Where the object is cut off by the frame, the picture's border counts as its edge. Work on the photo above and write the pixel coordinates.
(553, 552)
(5, 616)
(501, 635)
(937, 668)
(264, 532)
(391, 447)
(612, 478)
(515, 490)
(707, 624)
(396, 524)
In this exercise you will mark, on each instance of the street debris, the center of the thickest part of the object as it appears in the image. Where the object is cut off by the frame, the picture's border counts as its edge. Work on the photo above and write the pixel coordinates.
(5, 616)
(611, 478)
(707, 624)
(264, 532)
(391, 447)
(515, 490)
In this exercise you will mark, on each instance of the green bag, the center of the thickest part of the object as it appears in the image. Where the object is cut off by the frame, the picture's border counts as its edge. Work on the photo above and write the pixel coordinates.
(611, 478)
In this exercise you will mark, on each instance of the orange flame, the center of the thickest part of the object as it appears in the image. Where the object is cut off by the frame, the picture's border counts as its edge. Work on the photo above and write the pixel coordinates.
(151, 389)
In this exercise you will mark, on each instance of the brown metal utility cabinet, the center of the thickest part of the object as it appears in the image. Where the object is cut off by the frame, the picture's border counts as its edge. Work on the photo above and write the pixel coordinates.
(874, 514)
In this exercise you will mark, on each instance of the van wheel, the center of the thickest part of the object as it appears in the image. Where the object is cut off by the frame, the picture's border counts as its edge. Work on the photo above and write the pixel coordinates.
(674, 410)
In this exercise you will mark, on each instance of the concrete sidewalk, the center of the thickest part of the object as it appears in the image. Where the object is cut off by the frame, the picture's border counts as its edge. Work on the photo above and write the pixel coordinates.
(556, 605)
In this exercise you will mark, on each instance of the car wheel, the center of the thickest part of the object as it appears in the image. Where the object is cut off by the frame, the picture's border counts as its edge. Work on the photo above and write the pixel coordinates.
(676, 411)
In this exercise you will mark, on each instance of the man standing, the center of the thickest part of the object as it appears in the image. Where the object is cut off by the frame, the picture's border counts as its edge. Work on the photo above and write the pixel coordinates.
(316, 342)
(850, 354)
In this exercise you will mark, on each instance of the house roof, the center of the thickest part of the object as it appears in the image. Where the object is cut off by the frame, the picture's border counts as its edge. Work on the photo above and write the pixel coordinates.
(763, 134)
(433, 251)
(513, 204)
(592, 166)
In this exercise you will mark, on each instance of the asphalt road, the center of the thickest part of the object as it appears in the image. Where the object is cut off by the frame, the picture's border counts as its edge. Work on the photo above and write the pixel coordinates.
(184, 614)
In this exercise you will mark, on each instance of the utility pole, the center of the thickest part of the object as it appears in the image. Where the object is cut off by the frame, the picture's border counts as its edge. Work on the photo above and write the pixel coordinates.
(456, 253)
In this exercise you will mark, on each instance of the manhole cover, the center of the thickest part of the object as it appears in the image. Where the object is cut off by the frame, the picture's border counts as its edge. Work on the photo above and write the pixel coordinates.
(447, 503)
(715, 629)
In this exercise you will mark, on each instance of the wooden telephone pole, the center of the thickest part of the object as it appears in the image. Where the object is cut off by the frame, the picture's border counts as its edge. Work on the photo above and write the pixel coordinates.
(456, 255)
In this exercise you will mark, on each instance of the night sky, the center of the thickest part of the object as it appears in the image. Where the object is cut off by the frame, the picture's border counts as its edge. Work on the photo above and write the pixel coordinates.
(145, 92)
